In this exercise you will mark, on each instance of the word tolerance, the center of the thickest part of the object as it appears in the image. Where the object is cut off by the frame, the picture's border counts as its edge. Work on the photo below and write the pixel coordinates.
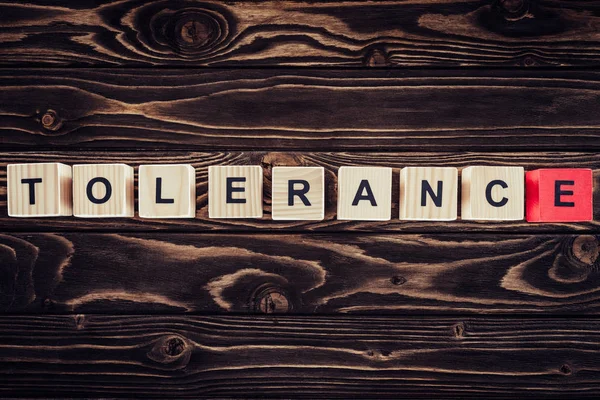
(364, 193)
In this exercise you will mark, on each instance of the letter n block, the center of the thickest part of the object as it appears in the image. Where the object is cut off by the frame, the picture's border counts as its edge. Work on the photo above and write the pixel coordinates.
(493, 193)
(235, 191)
(167, 191)
(364, 193)
(559, 195)
(39, 190)
(103, 190)
(428, 193)
(298, 193)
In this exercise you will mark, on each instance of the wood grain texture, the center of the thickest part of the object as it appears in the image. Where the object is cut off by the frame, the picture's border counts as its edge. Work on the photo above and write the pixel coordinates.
(302, 357)
(300, 110)
(300, 33)
(329, 161)
(316, 273)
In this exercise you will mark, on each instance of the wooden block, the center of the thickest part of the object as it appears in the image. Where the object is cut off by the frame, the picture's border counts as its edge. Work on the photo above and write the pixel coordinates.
(559, 195)
(493, 193)
(364, 193)
(428, 193)
(39, 190)
(102, 190)
(235, 191)
(298, 193)
(167, 191)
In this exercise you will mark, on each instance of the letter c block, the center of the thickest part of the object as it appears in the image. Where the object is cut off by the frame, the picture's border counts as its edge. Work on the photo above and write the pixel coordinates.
(559, 195)
(493, 193)
(103, 190)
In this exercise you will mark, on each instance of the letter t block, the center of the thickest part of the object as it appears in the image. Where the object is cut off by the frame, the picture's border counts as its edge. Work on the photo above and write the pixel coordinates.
(559, 195)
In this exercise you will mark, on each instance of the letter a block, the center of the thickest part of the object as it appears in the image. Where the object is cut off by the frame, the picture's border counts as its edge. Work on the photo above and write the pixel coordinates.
(235, 191)
(298, 193)
(428, 193)
(39, 190)
(102, 190)
(559, 195)
(493, 193)
(364, 193)
(167, 191)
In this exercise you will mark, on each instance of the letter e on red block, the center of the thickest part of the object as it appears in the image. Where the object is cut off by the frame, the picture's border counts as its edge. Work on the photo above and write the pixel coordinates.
(559, 195)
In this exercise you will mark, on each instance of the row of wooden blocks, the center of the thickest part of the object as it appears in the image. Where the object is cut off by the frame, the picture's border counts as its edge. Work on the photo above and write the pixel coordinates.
(364, 193)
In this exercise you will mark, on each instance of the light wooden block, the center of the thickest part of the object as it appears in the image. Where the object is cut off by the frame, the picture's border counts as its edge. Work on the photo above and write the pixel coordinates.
(235, 191)
(364, 193)
(298, 193)
(39, 190)
(419, 192)
(102, 190)
(493, 193)
(167, 191)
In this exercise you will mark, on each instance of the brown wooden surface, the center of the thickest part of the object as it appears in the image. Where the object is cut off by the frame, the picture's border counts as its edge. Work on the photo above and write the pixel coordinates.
(518, 33)
(310, 357)
(330, 161)
(294, 109)
(352, 273)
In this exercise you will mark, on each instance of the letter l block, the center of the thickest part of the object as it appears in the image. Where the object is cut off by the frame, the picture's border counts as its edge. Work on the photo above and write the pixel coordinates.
(103, 190)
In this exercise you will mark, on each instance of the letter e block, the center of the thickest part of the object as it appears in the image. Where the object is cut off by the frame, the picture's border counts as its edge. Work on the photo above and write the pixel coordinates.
(559, 195)
(493, 193)
(235, 191)
(428, 193)
(102, 190)
(364, 193)
(298, 193)
(167, 191)
(39, 190)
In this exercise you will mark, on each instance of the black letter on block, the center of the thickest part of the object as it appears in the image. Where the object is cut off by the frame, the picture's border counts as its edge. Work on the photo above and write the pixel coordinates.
(159, 199)
(231, 189)
(427, 189)
(488, 193)
(559, 192)
(31, 182)
(298, 192)
(364, 185)
(90, 186)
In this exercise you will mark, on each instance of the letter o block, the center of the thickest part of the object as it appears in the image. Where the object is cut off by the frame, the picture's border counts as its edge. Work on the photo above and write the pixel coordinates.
(298, 193)
(39, 190)
(235, 191)
(103, 190)
(493, 193)
(559, 195)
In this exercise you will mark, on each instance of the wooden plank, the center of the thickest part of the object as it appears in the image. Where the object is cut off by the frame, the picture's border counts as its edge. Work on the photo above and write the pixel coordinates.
(188, 357)
(350, 273)
(330, 161)
(301, 33)
(300, 109)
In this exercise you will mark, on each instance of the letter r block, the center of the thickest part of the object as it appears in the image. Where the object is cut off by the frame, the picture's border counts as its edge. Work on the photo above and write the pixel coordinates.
(428, 193)
(364, 193)
(39, 190)
(298, 193)
(559, 195)
(103, 190)
(235, 191)
(167, 191)
(493, 193)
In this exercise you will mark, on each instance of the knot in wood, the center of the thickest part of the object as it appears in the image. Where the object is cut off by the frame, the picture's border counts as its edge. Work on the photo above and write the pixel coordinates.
(271, 300)
(174, 346)
(172, 351)
(376, 58)
(194, 32)
(459, 330)
(585, 249)
(566, 369)
(512, 6)
(50, 120)
(398, 280)
(79, 321)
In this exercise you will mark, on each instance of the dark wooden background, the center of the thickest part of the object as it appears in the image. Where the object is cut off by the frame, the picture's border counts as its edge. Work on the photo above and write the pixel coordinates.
(261, 308)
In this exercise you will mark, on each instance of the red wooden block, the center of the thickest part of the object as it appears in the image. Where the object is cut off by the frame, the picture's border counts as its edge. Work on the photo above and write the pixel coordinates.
(559, 195)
